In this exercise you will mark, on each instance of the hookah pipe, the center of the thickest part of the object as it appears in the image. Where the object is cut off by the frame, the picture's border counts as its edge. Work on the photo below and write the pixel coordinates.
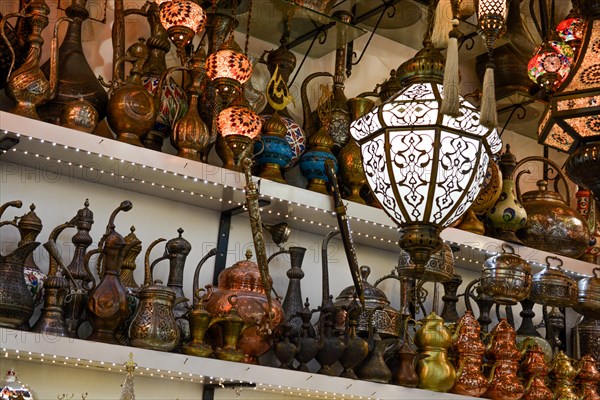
(257, 233)
(344, 224)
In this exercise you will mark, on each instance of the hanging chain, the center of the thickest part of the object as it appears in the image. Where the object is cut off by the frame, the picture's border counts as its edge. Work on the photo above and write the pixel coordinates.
(234, 15)
(248, 27)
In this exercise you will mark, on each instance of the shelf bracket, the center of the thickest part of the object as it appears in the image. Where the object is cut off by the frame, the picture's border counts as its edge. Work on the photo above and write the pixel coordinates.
(517, 107)
(7, 143)
(388, 7)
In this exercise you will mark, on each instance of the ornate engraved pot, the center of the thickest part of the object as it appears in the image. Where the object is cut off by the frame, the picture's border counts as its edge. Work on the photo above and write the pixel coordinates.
(439, 268)
(153, 325)
(243, 279)
(551, 224)
(506, 277)
(552, 287)
(588, 299)
(386, 320)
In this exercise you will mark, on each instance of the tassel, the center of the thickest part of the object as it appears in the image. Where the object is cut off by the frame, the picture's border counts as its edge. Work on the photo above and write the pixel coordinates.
(442, 24)
(489, 117)
(466, 8)
(451, 90)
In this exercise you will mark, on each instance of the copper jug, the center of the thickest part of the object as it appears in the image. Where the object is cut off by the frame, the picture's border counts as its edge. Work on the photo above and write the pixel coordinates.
(107, 306)
(434, 339)
(504, 383)
(469, 350)
(405, 374)
(552, 225)
(153, 325)
(131, 110)
(244, 280)
(16, 303)
(356, 348)
(535, 369)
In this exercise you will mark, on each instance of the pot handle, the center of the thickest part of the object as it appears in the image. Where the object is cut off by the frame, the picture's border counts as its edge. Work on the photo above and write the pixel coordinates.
(506, 246)
(595, 272)
(553, 165)
(560, 262)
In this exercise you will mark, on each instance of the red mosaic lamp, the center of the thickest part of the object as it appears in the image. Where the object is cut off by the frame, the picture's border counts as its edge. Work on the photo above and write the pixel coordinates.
(229, 69)
(238, 127)
(551, 64)
(182, 19)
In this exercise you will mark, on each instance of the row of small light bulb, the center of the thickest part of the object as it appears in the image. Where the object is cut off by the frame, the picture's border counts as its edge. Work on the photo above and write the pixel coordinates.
(271, 198)
(175, 376)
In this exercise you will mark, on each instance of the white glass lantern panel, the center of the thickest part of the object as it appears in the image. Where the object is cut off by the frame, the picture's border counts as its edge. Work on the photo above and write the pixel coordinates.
(410, 113)
(414, 92)
(494, 141)
(467, 121)
(374, 164)
(365, 125)
(458, 159)
(468, 200)
(412, 157)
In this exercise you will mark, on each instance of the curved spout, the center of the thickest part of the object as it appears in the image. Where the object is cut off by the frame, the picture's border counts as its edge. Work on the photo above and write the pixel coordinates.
(325, 265)
(14, 203)
(55, 257)
(125, 205)
(7, 42)
(147, 267)
(272, 256)
(195, 288)
(54, 57)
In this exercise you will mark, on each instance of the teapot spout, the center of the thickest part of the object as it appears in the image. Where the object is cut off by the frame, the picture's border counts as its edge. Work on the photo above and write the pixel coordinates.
(21, 253)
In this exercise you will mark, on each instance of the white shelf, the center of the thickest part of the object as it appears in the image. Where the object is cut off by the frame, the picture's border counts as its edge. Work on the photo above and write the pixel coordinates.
(62, 153)
(84, 354)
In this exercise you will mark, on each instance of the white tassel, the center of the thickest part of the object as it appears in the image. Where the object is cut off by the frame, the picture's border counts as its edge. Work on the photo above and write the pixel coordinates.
(466, 8)
(442, 24)
(489, 117)
(451, 102)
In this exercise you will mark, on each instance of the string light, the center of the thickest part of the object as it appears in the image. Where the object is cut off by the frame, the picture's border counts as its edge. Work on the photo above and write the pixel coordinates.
(474, 256)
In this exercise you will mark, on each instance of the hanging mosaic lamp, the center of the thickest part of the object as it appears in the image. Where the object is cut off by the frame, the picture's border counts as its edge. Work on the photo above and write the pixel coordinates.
(551, 64)
(182, 19)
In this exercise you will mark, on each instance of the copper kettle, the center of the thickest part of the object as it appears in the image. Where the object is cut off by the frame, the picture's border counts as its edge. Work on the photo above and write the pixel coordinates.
(154, 326)
(244, 280)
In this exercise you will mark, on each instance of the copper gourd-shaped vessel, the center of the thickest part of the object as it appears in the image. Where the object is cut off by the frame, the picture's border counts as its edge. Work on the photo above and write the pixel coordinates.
(27, 85)
(503, 381)
(16, 303)
(285, 350)
(469, 348)
(434, 339)
(534, 368)
(153, 325)
(244, 280)
(552, 225)
(588, 378)
(106, 306)
(131, 110)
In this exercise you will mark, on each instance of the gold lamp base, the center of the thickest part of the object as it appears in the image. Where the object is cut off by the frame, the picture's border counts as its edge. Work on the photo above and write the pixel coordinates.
(237, 147)
(420, 241)
(317, 185)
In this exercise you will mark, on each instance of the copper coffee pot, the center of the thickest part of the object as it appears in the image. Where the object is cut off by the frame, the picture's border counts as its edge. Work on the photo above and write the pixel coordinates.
(154, 326)
(233, 325)
(588, 378)
(107, 306)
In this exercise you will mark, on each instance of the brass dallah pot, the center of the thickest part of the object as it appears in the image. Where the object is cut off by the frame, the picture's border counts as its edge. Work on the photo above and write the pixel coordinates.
(551, 224)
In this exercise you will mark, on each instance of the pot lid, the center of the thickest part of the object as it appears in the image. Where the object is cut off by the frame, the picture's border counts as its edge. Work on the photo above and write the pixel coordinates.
(372, 293)
(542, 194)
(158, 288)
(242, 275)
(506, 259)
(179, 245)
(30, 221)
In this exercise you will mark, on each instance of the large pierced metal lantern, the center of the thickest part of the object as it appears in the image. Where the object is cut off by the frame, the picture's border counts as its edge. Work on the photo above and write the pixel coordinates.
(571, 121)
(424, 167)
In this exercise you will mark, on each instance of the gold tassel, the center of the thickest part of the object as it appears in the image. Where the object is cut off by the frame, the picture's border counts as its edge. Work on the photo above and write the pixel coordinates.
(451, 90)
(466, 8)
(442, 24)
(489, 117)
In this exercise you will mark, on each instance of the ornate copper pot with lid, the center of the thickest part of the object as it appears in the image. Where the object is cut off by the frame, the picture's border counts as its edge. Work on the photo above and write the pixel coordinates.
(506, 277)
(439, 268)
(551, 224)
(386, 320)
(243, 279)
(552, 287)
(588, 299)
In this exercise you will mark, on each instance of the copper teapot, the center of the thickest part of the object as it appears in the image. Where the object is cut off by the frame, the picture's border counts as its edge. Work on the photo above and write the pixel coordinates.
(552, 225)
(153, 325)
(244, 280)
